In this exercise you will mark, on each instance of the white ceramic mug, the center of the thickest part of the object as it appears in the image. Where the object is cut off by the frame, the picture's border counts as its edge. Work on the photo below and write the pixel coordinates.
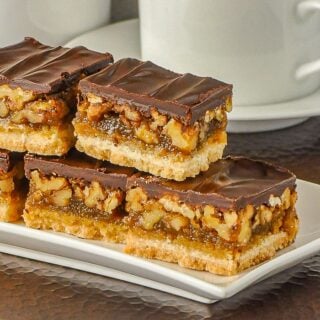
(269, 49)
(52, 22)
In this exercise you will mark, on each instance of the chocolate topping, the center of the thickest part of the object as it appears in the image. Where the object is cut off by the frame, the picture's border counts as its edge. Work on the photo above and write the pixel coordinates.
(43, 69)
(145, 84)
(5, 161)
(230, 183)
(8, 160)
(77, 165)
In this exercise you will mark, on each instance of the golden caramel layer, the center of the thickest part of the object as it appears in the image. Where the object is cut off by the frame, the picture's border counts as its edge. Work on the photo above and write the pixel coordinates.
(57, 219)
(13, 191)
(25, 107)
(36, 138)
(166, 215)
(222, 260)
(204, 222)
(87, 210)
(149, 158)
(122, 121)
(73, 194)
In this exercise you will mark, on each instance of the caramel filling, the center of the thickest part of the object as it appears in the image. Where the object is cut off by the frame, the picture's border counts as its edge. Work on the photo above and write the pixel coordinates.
(26, 107)
(75, 195)
(122, 122)
(12, 181)
(166, 216)
(208, 224)
(13, 191)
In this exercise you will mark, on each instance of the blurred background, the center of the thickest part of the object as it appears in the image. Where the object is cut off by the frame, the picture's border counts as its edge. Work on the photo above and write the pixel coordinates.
(269, 50)
(56, 22)
(123, 9)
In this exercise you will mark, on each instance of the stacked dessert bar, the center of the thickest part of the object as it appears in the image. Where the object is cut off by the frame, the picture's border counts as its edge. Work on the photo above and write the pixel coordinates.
(38, 95)
(138, 114)
(147, 168)
(13, 186)
(38, 89)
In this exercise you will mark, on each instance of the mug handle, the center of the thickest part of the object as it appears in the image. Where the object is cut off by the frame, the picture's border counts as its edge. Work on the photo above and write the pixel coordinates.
(303, 9)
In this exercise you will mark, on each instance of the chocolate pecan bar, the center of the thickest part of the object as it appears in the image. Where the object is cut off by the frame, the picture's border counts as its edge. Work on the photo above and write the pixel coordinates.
(137, 114)
(38, 88)
(13, 186)
(77, 195)
(235, 215)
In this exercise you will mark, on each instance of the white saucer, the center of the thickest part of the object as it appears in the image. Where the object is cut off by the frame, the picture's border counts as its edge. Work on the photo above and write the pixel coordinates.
(122, 39)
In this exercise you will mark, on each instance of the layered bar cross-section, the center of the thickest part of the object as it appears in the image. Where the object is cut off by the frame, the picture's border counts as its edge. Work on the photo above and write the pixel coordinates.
(13, 186)
(137, 114)
(38, 89)
(234, 216)
(77, 195)
(229, 218)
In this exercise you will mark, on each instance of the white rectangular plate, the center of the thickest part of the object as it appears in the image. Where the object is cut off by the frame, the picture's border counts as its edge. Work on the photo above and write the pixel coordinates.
(108, 259)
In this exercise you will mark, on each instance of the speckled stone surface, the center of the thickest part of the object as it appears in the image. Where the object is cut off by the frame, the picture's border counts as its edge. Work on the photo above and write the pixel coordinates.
(297, 148)
(35, 290)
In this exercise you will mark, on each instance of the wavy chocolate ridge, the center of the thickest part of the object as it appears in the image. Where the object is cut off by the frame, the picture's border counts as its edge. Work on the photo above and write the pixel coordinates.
(146, 85)
(34, 66)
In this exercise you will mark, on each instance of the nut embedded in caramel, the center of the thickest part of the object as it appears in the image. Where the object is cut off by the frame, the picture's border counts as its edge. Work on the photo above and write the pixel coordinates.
(59, 191)
(48, 184)
(184, 138)
(61, 198)
(6, 185)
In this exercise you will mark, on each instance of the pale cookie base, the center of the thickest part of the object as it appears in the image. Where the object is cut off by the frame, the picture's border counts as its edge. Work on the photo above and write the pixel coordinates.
(45, 140)
(148, 244)
(82, 227)
(193, 257)
(11, 207)
(127, 154)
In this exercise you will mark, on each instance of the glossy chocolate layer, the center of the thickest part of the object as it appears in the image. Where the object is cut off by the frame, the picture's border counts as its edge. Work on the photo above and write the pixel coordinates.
(77, 165)
(43, 69)
(146, 85)
(5, 161)
(8, 159)
(230, 183)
